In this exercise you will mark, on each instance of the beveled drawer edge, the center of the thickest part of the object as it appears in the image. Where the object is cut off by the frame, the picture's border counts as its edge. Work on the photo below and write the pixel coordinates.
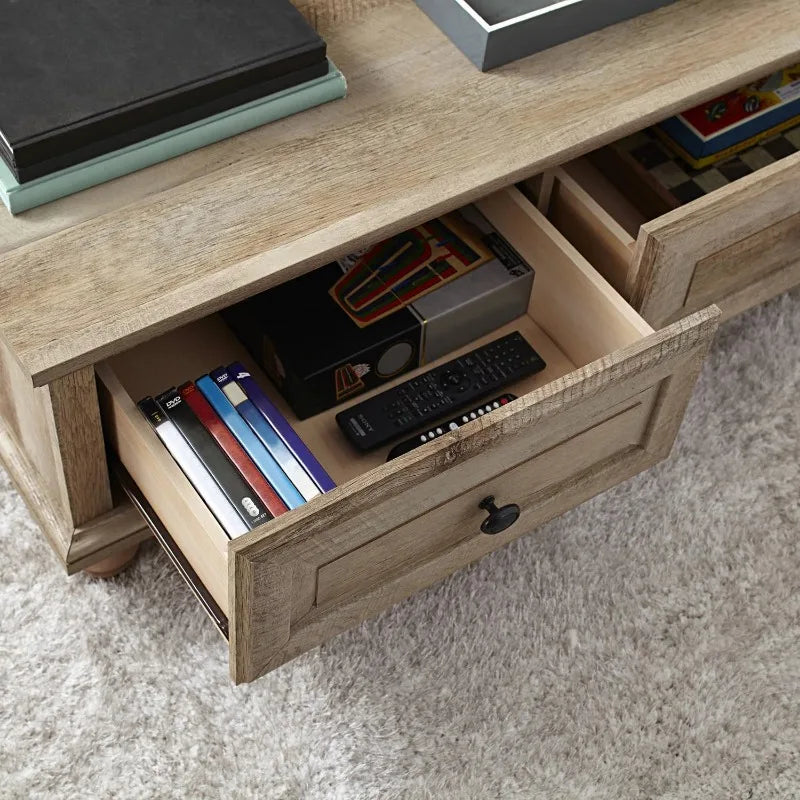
(329, 592)
(179, 561)
(324, 597)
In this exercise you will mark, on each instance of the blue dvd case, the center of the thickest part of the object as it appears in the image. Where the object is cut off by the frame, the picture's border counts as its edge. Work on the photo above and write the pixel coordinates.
(266, 433)
(253, 447)
(282, 427)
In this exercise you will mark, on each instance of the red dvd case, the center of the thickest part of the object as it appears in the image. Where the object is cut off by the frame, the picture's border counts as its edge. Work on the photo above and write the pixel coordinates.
(227, 441)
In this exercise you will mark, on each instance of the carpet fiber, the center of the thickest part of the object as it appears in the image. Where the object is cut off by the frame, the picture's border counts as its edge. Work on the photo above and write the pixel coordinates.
(645, 645)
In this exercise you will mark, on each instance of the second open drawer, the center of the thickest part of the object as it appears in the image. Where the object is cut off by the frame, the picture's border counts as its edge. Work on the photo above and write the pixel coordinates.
(608, 406)
(736, 247)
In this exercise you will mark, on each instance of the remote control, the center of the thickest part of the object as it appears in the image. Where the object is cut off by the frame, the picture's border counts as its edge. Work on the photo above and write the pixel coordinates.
(453, 425)
(455, 385)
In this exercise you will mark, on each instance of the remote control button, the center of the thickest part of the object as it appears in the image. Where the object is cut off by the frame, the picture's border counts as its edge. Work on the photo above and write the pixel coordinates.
(464, 383)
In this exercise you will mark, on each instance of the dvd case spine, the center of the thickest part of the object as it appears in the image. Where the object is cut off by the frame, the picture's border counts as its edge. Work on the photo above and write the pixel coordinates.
(250, 442)
(227, 441)
(281, 426)
(266, 433)
(193, 468)
(247, 504)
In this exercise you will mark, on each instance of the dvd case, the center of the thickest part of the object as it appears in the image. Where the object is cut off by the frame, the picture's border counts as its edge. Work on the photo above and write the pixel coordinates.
(193, 468)
(281, 426)
(227, 441)
(250, 442)
(247, 504)
(266, 433)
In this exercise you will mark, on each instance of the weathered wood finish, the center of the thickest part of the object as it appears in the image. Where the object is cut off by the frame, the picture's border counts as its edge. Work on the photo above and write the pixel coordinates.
(51, 442)
(580, 319)
(736, 247)
(613, 394)
(733, 243)
(81, 449)
(424, 537)
(287, 592)
(421, 132)
(324, 14)
(107, 535)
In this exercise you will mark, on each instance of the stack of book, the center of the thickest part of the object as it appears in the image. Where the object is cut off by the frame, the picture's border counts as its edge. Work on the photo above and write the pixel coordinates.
(239, 452)
(92, 91)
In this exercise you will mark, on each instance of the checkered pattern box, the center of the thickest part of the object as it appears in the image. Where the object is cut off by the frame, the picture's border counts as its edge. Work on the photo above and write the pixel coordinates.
(679, 184)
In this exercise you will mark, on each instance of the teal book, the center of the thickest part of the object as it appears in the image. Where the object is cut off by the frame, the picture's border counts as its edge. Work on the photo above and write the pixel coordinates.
(22, 196)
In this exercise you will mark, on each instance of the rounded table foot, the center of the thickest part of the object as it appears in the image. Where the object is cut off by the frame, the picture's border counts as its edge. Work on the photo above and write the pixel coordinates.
(114, 564)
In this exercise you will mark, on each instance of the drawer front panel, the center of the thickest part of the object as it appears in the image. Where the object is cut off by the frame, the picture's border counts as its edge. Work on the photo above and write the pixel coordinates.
(439, 530)
(736, 247)
(743, 264)
(555, 448)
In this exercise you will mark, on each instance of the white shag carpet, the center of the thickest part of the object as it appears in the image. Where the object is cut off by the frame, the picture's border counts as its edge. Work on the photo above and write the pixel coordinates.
(646, 645)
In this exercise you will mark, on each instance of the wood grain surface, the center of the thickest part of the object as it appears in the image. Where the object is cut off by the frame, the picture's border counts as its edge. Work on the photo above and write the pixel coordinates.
(421, 132)
(51, 442)
(288, 593)
(732, 242)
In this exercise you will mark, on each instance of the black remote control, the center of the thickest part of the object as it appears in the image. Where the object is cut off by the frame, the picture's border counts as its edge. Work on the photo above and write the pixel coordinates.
(452, 425)
(455, 385)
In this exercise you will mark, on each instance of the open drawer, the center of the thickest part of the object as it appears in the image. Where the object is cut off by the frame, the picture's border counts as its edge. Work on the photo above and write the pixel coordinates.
(608, 406)
(736, 247)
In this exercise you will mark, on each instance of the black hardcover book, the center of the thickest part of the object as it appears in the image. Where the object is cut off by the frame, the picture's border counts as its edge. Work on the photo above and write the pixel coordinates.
(246, 502)
(81, 79)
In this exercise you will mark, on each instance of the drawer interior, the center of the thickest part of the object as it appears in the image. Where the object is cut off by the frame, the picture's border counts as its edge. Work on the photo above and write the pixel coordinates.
(574, 318)
(598, 217)
(605, 202)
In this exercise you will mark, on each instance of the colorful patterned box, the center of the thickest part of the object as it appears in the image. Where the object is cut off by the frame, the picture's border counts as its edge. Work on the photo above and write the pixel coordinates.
(736, 121)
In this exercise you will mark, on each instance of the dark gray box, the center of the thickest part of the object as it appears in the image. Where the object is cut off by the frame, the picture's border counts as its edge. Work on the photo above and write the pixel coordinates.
(495, 32)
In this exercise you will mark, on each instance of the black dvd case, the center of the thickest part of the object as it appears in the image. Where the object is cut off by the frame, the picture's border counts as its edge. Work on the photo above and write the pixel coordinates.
(246, 502)
(81, 79)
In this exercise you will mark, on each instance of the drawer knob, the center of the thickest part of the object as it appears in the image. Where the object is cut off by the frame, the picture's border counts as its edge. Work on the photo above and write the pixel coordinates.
(499, 519)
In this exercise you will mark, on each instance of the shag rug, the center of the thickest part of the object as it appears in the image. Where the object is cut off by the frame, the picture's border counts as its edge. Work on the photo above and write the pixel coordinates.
(645, 645)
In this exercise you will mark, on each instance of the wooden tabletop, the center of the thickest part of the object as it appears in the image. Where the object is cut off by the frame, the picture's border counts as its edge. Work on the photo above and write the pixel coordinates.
(421, 132)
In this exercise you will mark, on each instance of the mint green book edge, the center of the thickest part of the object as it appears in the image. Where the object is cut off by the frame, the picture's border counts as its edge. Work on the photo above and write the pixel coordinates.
(20, 197)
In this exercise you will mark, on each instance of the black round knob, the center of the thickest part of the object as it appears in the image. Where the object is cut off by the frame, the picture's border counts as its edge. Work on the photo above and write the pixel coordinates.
(499, 519)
